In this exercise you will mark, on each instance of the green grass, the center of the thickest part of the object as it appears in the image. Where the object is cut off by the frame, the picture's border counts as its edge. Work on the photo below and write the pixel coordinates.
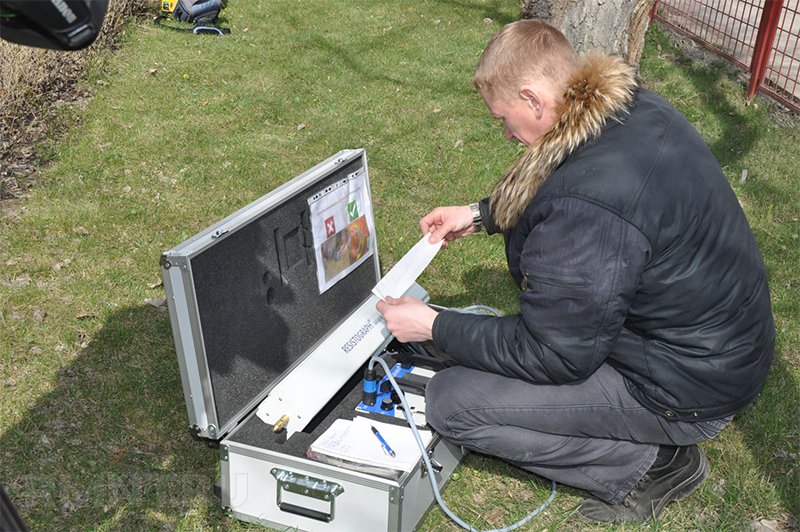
(183, 130)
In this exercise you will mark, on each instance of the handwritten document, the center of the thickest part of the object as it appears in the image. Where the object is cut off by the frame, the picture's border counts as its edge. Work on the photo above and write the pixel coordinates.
(354, 441)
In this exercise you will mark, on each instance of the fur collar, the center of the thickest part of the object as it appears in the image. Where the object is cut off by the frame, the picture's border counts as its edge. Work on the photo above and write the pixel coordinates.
(600, 90)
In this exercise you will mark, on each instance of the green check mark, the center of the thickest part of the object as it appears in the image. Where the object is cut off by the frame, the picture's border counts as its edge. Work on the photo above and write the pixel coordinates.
(352, 210)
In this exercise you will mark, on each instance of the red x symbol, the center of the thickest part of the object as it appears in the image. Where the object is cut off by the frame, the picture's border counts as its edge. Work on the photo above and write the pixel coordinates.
(330, 227)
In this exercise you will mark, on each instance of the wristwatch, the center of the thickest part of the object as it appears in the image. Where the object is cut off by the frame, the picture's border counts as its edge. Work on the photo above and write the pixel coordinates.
(477, 219)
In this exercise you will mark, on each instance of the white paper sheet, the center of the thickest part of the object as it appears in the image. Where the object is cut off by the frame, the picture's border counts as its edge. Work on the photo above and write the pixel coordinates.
(402, 276)
(355, 442)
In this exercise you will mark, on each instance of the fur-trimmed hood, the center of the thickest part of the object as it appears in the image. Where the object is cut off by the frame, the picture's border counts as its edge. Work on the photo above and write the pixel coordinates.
(602, 89)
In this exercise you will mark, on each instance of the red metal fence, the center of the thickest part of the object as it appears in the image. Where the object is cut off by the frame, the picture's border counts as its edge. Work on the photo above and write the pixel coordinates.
(761, 36)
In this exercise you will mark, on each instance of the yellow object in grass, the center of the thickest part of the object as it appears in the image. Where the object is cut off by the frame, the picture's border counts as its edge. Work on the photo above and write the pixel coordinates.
(168, 6)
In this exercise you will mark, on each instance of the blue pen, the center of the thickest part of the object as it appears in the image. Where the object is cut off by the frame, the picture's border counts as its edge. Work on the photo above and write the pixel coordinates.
(383, 442)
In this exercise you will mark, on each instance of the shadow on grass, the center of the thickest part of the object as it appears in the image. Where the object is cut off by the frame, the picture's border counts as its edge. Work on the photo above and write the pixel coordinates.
(358, 57)
(503, 293)
(109, 446)
(497, 11)
(769, 428)
(738, 134)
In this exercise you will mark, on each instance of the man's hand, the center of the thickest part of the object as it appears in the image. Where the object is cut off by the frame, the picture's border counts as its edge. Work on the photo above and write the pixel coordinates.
(447, 223)
(408, 319)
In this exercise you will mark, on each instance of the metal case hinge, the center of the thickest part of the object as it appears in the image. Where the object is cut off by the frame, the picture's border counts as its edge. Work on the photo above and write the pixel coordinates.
(437, 467)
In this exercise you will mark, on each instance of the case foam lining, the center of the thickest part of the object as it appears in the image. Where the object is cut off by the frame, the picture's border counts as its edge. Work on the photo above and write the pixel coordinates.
(259, 302)
(259, 434)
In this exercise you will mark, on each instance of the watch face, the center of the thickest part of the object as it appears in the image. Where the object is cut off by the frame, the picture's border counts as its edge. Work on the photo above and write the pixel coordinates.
(476, 213)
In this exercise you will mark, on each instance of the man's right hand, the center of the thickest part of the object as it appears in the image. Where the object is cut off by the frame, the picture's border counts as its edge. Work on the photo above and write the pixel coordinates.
(447, 223)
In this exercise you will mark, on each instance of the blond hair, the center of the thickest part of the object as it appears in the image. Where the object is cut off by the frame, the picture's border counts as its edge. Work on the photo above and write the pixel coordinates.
(525, 50)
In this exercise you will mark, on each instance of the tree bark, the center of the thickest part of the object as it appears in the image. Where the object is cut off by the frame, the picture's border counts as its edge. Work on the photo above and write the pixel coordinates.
(615, 26)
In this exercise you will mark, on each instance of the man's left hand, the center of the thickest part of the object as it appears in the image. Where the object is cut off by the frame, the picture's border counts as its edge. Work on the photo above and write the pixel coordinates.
(408, 319)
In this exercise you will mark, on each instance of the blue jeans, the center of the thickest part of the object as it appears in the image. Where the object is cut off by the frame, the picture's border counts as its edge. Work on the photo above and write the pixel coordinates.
(591, 434)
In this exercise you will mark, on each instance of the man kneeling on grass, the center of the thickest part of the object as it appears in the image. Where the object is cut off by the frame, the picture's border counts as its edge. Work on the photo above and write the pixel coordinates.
(645, 321)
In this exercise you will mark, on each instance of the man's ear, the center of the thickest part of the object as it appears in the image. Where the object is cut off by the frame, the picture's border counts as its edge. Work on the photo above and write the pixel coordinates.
(533, 99)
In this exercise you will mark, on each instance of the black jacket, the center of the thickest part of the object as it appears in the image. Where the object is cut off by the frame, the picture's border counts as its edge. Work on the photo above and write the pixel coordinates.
(634, 252)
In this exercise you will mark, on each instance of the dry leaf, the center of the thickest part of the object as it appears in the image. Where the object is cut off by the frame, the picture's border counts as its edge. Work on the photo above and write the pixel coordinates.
(300, 127)
(458, 143)
(38, 315)
(85, 315)
(766, 525)
(487, 20)
(157, 302)
(156, 284)
(25, 280)
(495, 515)
(80, 230)
(126, 189)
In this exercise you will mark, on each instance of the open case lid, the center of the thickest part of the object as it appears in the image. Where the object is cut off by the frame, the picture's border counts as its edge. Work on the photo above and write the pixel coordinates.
(253, 305)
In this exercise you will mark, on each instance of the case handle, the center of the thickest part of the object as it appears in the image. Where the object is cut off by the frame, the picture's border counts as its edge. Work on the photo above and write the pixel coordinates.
(305, 485)
(305, 512)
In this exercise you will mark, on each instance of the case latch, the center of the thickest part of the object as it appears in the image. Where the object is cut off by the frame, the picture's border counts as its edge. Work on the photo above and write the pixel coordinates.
(306, 486)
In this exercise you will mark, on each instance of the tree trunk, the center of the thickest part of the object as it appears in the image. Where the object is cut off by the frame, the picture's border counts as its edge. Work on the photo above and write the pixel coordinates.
(615, 26)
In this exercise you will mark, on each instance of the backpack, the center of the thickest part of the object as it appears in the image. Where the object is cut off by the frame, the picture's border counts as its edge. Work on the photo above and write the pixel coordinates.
(197, 11)
(201, 13)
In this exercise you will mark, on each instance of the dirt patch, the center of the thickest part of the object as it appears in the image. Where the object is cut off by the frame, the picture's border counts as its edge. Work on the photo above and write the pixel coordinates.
(35, 85)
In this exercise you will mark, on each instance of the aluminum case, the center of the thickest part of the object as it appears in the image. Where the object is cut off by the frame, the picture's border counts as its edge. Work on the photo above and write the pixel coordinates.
(250, 327)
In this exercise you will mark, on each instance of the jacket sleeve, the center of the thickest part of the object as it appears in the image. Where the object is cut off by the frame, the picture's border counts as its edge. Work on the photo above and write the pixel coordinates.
(486, 216)
(581, 264)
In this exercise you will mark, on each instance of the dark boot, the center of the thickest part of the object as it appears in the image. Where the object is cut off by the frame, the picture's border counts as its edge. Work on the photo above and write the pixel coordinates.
(660, 485)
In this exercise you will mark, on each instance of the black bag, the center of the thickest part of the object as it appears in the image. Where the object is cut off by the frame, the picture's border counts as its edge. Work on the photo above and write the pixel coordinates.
(197, 11)
(10, 520)
(201, 13)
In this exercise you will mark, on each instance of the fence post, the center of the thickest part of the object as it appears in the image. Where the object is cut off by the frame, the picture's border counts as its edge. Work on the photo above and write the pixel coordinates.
(767, 28)
(653, 10)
